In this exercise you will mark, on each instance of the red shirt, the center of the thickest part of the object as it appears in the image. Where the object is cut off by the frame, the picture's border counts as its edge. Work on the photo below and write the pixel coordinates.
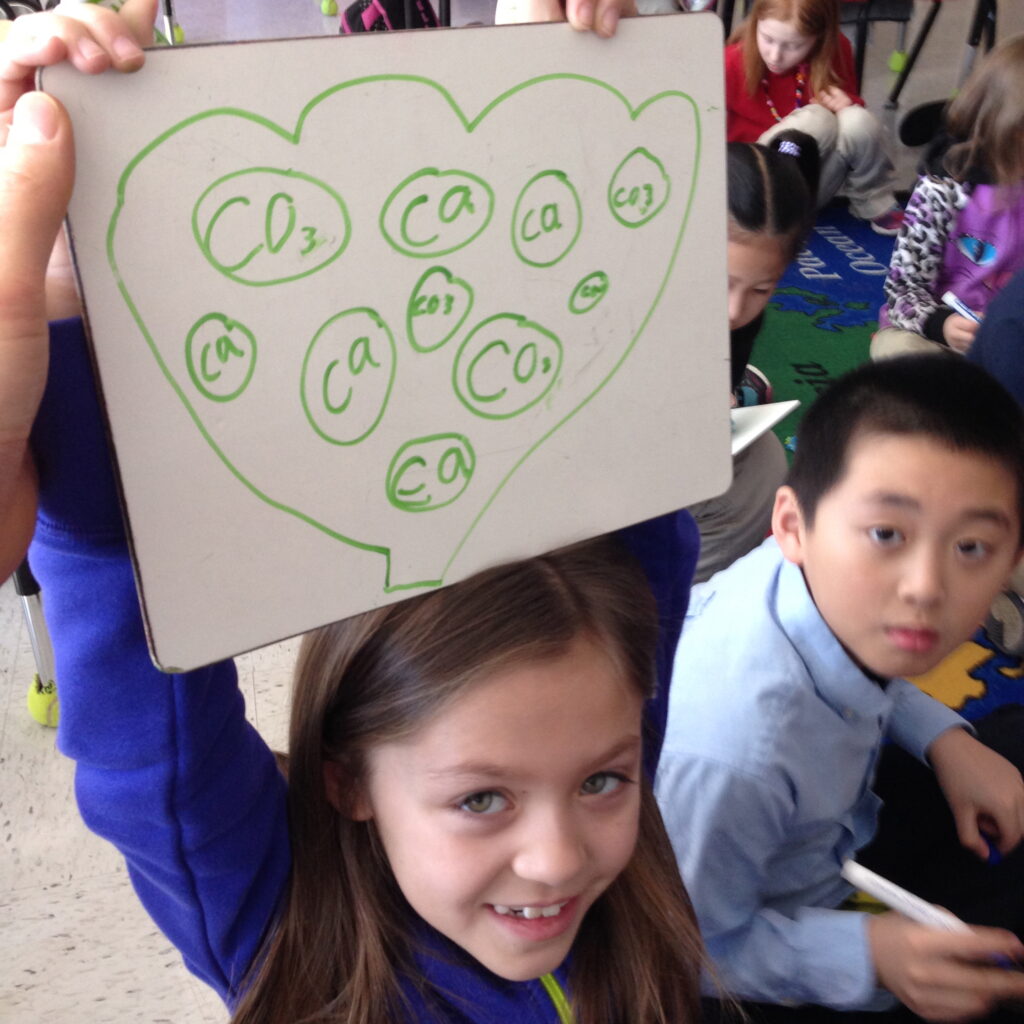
(748, 117)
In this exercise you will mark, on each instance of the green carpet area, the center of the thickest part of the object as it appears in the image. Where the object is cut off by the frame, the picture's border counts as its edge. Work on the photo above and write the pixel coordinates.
(820, 320)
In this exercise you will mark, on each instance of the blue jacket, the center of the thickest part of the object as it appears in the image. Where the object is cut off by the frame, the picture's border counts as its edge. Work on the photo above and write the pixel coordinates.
(168, 768)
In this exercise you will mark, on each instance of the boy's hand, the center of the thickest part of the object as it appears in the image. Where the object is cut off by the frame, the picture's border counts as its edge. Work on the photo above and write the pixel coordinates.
(36, 170)
(91, 37)
(833, 98)
(600, 15)
(984, 791)
(959, 332)
(944, 975)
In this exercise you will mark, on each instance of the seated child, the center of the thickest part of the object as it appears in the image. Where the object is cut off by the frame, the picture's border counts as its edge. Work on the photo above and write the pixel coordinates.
(902, 518)
(788, 67)
(771, 212)
(465, 832)
(964, 227)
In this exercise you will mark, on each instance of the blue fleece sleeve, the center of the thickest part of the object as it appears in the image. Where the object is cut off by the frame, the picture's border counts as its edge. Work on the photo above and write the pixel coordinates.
(168, 768)
(667, 547)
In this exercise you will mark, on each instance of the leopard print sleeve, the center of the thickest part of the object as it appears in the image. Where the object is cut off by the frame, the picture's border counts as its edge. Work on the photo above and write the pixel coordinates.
(917, 257)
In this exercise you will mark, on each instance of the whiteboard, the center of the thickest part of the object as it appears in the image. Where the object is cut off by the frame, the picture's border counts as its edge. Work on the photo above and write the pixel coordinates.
(371, 313)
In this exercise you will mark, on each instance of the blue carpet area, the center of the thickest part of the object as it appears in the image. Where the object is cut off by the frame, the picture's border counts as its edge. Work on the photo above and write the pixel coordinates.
(820, 320)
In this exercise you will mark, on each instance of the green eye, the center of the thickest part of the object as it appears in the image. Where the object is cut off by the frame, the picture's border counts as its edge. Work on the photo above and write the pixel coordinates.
(602, 782)
(486, 802)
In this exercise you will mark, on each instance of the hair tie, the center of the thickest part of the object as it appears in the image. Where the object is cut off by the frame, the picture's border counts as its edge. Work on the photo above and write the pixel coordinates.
(789, 147)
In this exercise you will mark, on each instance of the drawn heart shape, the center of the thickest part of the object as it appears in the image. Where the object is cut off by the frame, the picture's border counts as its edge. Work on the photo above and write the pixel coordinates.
(375, 341)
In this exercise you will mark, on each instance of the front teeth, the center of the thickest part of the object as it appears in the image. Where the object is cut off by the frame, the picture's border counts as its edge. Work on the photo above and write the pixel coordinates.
(530, 912)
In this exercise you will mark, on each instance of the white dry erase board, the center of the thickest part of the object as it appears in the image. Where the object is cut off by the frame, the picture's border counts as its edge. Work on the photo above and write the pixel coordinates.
(371, 313)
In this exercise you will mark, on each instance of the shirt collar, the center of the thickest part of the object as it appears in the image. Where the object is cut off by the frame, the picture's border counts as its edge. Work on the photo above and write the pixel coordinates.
(838, 680)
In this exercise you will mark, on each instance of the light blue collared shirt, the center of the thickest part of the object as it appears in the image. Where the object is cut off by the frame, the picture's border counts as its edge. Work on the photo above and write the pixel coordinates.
(772, 741)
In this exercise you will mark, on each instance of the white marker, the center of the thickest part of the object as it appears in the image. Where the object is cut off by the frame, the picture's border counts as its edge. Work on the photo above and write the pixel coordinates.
(958, 307)
(905, 903)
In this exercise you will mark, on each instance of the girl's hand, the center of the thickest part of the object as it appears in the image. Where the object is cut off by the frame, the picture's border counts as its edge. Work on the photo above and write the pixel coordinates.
(602, 16)
(959, 332)
(91, 37)
(833, 98)
(36, 169)
(944, 975)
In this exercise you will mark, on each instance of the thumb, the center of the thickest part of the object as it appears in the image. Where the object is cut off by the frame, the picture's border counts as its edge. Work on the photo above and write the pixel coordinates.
(140, 16)
(36, 171)
(970, 836)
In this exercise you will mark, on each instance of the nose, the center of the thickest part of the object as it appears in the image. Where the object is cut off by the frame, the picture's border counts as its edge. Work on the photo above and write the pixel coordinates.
(552, 850)
(774, 52)
(923, 580)
(735, 308)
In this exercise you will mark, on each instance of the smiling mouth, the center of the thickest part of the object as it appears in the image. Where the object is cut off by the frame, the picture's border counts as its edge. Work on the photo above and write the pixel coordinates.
(530, 913)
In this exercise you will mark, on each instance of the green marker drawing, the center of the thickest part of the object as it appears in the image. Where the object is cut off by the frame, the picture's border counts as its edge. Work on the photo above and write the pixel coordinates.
(245, 224)
(639, 189)
(433, 213)
(547, 219)
(506, 365)
(220, 354)
(588, 292)
(347, 375)
(268, 225)
(430, 472)
(437, 308)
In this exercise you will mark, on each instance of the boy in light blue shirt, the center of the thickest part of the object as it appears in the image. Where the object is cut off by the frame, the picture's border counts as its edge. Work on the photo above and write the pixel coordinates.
(901, 519)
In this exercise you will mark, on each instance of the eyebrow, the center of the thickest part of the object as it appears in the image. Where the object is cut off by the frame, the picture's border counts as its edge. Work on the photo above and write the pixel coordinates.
(893, 499)
(485, 770)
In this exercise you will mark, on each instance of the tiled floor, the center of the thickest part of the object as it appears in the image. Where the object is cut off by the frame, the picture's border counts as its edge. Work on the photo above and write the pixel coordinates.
(74, 944)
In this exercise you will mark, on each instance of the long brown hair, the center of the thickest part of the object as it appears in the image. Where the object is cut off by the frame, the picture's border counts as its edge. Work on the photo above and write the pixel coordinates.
(988, 114)
(818, 19)
(340, 950)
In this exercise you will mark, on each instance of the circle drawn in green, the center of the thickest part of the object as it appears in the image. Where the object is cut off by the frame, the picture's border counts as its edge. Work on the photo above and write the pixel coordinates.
(440, 302)
(430, 472)
(551, 220)
(421, 217)
(588, 292)
(220, 358)
(506, 365)
(639, 189)
(347, 375)
(278, 225)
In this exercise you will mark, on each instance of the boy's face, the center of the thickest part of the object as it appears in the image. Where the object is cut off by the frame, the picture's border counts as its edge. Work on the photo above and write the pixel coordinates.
(907, 550)
(508, 814)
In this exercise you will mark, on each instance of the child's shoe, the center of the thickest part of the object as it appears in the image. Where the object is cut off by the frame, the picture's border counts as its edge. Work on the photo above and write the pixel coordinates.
(888, 223)
(754, 388)
(1005, 623)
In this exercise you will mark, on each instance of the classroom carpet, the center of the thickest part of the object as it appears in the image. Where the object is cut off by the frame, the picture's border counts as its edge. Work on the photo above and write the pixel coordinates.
(820, 320)
(818, 325)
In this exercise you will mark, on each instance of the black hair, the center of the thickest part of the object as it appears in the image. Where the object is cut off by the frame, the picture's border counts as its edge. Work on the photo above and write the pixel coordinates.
(773, 188)
(941, 397)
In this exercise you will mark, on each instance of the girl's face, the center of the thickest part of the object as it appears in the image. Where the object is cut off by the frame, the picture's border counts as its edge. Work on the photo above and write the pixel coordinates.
(510, 812)
(781, 44)
(756, 263)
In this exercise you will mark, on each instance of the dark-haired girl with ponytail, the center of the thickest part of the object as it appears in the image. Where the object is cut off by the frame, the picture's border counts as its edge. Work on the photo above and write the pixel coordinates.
(771, 210)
